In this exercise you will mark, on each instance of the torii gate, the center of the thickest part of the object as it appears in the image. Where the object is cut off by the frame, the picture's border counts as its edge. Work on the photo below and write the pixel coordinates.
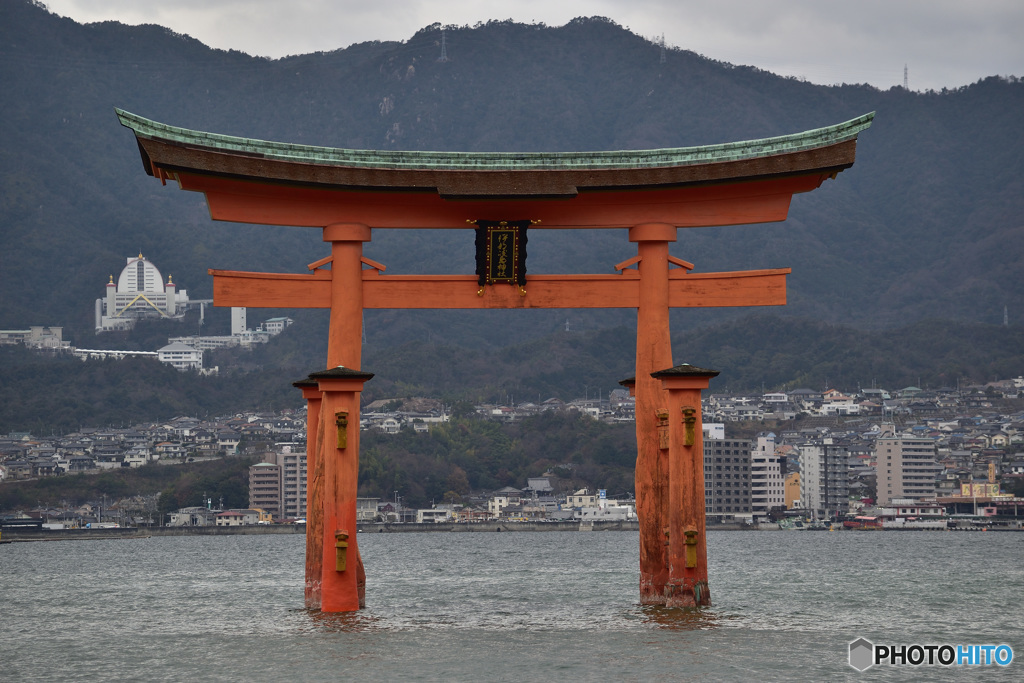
(349, 193)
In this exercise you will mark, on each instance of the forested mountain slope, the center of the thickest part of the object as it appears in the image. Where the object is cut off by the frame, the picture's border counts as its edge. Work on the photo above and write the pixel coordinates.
(927, 224)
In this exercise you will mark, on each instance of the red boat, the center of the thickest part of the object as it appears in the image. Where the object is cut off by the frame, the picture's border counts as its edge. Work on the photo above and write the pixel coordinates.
(863, 523)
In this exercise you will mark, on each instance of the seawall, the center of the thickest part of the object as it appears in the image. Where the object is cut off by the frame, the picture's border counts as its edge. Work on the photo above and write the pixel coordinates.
(469, 527)
(20, 535)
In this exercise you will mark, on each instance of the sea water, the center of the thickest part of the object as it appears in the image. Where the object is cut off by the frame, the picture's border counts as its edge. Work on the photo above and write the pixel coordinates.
(504, 607)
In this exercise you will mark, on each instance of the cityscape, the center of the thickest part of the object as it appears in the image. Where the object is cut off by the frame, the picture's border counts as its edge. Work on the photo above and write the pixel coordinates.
(872, 455)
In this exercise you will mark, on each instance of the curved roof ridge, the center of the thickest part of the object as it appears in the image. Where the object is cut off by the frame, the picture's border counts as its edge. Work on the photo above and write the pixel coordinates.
(498, 161)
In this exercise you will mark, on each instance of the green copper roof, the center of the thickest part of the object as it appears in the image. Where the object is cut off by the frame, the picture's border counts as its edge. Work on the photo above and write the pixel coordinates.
(498, 161)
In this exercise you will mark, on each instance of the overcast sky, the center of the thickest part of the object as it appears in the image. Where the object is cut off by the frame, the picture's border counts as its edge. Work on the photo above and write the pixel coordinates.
(943, 43)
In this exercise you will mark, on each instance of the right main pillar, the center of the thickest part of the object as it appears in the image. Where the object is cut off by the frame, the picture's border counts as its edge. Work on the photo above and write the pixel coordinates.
(687, 584)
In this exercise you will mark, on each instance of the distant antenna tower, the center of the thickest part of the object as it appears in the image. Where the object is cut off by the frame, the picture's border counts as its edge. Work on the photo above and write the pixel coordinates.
(444, 48)
(1006, 317)
(662, 48)
(906, 85)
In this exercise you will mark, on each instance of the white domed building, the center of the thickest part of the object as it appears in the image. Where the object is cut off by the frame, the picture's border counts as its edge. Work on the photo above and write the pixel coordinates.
(140, 292)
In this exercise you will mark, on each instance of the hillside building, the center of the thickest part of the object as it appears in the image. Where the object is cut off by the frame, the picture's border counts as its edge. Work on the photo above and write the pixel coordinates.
(180, 356)
(240, 334)
(36, 337)
(139, 292)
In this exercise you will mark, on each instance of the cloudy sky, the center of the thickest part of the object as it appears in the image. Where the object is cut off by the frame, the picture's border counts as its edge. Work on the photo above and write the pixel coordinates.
(943, 43)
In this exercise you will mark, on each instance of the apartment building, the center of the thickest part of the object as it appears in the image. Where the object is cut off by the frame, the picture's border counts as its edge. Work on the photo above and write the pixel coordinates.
(767, 482)
(727, 483)
(906, 466)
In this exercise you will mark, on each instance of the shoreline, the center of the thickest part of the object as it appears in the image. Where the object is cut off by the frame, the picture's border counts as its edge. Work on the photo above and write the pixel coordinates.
(43, 535)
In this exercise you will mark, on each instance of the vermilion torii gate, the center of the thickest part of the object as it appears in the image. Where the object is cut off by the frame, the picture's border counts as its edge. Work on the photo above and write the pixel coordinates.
(350, 193)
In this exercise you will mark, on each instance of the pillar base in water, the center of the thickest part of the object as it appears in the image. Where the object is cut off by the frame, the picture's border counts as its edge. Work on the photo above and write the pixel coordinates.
(695, 594)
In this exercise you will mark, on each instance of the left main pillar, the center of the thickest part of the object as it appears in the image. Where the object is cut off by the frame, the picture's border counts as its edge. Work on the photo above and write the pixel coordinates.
(653, 352)
(341, 578)
(344, 349)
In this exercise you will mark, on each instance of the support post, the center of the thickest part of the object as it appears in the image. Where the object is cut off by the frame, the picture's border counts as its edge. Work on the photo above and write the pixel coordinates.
(345, 337)
(342, 580)
(653, 352)
(345, 340)
(687, 584)
(314, 493)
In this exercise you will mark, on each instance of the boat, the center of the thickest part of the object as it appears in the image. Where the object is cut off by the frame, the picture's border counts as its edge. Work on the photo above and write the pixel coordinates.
(863, 523)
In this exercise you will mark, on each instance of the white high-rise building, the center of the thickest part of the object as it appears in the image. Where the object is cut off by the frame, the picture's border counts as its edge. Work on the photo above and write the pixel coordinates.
(767, 482)
(238, 324)
(825, 478)
(292, 460)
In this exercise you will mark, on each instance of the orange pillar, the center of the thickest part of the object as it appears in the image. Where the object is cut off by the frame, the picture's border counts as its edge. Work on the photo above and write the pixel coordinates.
(314, 493)
(687, 537)
(653, 352)
(345, 333)
(341, 580)
(345, 337)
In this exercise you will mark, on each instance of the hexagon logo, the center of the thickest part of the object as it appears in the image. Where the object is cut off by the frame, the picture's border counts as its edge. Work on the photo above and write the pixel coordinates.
(862, 654)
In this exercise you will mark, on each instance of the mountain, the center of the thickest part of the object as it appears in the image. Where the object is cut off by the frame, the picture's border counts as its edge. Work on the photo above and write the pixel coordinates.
(764, 352)
(927, 224)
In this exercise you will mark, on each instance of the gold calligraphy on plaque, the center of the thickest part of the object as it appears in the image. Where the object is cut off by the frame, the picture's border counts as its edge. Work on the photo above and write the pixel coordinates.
(501, 253)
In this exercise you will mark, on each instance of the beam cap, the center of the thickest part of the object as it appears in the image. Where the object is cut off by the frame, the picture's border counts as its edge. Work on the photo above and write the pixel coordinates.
(684, 370)
(653, 232)
(347, 232)
(340, 372)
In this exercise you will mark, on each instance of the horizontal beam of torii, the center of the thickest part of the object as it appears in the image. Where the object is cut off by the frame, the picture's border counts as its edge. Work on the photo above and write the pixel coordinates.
(686, 290)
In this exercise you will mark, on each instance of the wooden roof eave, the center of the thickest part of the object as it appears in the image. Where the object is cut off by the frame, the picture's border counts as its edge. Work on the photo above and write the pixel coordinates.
(487, 176)
(163, 159)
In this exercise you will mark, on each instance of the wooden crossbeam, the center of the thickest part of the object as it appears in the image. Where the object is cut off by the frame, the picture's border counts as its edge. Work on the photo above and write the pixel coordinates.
(686, 290)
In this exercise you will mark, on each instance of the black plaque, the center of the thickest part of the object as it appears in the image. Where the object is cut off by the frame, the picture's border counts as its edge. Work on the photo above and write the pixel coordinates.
(501, 252)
